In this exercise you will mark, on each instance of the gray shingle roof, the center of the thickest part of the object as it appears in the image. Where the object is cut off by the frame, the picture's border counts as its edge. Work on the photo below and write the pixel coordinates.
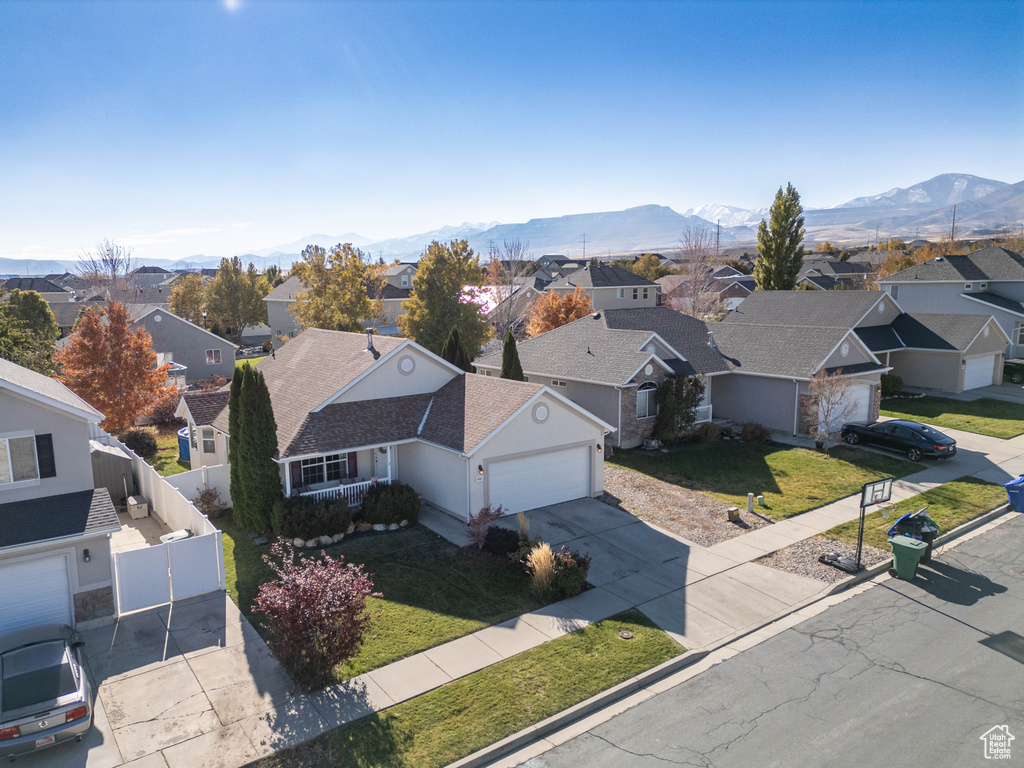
(66, 312)
(950, 332)
(55, 517)
(807, 309)
(205, 407)
(879, 338)
(1000, 302)
(833, 267)
(782, 350)
(603, 276)
(16, 376)
(343, 426)
(37, 284)
(987, 264)
(605, 346)
(397, 269)
(286, 291)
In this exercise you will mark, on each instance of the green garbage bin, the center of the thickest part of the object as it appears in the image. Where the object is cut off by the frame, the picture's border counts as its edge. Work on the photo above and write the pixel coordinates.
(906, 554)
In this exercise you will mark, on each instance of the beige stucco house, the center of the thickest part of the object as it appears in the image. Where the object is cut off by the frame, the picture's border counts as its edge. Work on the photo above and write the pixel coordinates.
(54, 525)
(353, 409)
(609, 287)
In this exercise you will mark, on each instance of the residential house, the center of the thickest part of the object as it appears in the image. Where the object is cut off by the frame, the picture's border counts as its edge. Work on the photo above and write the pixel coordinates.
(729, 289)
(146, 277)
(612, 362)
(66, 313)
(54, 540)
(401, 275)
(49, 292)
(69, 282)
(176, 340)
(283, 324)
(989, 281)
(609, 287)
(826, 274)
(560, 262)
(354, 409)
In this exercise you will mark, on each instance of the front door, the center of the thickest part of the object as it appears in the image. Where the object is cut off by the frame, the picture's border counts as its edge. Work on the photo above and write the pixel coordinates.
(380, 463)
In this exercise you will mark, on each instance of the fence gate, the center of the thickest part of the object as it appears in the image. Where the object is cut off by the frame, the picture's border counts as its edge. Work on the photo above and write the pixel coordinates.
(159, 574)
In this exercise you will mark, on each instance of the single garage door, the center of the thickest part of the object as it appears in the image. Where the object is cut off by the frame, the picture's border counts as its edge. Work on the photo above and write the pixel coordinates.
(536, 481)
(35, 592)
(978, 372)
(859, 396)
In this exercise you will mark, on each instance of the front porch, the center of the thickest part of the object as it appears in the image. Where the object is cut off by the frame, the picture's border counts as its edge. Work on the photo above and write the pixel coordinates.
(348, 475)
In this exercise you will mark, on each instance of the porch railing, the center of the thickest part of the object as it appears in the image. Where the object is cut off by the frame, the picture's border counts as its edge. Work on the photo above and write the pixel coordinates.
(703, 414)
(352, 493)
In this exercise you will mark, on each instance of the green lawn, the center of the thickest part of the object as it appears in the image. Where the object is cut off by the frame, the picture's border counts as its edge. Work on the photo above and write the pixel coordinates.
(472, 712)
(166, 460)
(792, 480)
(949, 505)
(249, 360)
(433, 591)
(994, 418)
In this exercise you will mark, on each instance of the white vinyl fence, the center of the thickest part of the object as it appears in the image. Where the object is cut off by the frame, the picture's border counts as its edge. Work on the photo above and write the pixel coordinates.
(217, 477)
(160, 574)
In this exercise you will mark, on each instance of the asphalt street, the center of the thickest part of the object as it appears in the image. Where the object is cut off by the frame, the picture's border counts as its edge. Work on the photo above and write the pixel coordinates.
(908, 673)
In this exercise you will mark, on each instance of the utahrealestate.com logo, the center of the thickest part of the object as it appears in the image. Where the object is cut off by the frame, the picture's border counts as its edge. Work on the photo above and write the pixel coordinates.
(997, 743)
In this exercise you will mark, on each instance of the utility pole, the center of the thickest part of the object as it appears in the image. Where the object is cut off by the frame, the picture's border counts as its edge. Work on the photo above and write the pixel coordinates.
(952, 229)
(718, 236)
(584, 245)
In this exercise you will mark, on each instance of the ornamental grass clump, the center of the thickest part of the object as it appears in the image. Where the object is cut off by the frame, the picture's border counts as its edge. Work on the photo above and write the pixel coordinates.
(314, 613)
(541, 565)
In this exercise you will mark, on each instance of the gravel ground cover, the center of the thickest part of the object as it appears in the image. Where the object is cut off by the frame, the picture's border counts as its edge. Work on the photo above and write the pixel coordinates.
(802, 558)
(693, 515)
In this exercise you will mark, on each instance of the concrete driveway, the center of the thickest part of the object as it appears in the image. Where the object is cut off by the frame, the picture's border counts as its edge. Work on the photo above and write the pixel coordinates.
(697, 596)
(184, 686)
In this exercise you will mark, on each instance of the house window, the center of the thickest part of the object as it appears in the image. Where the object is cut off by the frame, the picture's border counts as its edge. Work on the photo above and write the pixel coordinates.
(645, 292)
(557, 383)
(487, 373)
(983, 286)
(324, 468)
(526, 378)
(894, 291)
(213, 357)
(636, 293)
(405, 281)
(18, 459)
(646, 407)
(967, 287)
(620, 293)
(209, 444)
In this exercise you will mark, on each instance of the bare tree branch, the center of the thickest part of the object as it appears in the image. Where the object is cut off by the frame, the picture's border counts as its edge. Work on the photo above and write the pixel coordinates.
(507, 269)
(829, 405)
(694, 295)
(110, 269)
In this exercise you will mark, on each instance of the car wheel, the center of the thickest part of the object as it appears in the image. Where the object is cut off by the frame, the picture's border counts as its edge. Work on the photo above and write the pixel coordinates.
(914, 454)
(1016, 378)
(852, 438)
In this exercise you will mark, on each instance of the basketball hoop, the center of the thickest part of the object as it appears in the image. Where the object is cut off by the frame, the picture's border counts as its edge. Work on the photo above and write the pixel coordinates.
(887, 511)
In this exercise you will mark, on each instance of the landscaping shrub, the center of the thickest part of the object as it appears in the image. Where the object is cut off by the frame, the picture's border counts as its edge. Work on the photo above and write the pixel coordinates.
(211, 384)
(391, 503)
(477, 526)
(314, 613)
(268, 345)
(208, 501)
(303, 518)
(571, 570)
(541, 563)
(500, 542)
(891, 385)
(755, 433)
(141, 441)
(709, 433)
(162, 414)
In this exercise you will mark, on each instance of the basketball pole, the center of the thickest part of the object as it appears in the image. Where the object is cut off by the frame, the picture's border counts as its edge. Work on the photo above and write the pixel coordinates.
(860, 535)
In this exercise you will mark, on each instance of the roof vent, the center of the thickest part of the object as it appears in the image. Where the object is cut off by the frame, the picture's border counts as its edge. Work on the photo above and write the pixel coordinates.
(938, 258)
(597, 315)
(711, 340)
(369, 340)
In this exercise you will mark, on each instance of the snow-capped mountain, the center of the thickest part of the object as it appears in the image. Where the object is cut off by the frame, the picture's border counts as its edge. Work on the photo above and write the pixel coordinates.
(945, 189)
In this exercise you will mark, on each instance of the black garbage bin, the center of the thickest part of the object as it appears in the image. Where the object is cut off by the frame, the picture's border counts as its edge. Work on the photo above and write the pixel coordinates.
(920, 526)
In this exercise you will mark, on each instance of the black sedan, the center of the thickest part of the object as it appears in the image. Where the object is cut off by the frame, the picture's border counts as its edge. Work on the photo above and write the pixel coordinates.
(1013, 371)
(913, 438)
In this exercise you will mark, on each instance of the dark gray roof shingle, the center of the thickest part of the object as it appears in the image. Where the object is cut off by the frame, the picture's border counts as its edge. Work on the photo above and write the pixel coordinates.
(879, 338)
(37, 284)
(999, 302)
(603, 276)
(286, 291)
(17, 376)
(808, 309)
(949, 332)
(986, 264)
(55, 517)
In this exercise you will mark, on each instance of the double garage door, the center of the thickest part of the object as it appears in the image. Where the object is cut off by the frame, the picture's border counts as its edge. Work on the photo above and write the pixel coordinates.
(35, 592)
(540, 479)
(978, 371)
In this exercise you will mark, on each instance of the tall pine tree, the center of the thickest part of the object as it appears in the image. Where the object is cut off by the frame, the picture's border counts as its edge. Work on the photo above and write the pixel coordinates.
(510, 365)
(257, 473)
(237, 490)
(455, 352)
(780, 251)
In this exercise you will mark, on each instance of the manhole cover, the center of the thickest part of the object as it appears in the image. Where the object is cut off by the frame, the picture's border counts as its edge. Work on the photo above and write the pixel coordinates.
(626, 634)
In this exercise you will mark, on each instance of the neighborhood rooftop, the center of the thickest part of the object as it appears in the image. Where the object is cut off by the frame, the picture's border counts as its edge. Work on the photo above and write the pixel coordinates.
(67, 514)
(19, 378)
(986, 264)
(804, 309)
(602, 276)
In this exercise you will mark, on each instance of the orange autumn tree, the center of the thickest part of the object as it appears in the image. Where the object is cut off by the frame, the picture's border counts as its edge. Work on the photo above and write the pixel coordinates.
(113, 368)
(553, 310)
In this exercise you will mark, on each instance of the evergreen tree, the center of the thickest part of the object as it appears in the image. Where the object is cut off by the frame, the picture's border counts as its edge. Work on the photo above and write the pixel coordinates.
(28, 331)
(678, 397)
(455, 352)
(234, 435)
(510, 365)
(780, 251)
(264, 475)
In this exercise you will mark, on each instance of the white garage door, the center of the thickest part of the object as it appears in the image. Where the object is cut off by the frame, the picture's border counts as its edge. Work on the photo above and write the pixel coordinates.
(978, 372)
(859, 396)
(35, 592)
(536, 481)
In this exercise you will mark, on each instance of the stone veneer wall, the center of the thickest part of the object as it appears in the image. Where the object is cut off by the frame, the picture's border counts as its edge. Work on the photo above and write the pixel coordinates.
(94, 604)
(634, 431)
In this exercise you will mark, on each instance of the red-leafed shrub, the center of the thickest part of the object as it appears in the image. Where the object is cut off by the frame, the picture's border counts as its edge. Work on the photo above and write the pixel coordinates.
(211, 384)
(315, 613)
(476, 529)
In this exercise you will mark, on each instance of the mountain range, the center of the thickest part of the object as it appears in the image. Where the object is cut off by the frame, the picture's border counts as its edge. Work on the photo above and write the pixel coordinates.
(983, 206)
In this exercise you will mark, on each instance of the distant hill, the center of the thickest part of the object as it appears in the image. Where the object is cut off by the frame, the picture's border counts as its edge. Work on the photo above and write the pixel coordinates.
(945, 189)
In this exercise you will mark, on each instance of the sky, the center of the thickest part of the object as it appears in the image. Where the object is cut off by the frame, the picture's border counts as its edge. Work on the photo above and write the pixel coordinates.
(217, 127)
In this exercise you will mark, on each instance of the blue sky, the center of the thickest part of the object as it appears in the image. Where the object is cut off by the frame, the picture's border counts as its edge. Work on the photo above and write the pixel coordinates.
(218, 127)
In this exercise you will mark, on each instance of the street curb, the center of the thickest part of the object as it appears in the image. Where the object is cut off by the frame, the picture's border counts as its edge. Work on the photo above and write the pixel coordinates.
(584, 708)
(945, 538)
(601, 700)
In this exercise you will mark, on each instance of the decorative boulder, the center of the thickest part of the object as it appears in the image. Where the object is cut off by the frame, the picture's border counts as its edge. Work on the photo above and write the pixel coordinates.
(326, 541)
(351, 529)
(380, 527)
(299, 543)
(364, 527)
(337, 537)
(393, 527)
(403, 524)
(311, 543)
